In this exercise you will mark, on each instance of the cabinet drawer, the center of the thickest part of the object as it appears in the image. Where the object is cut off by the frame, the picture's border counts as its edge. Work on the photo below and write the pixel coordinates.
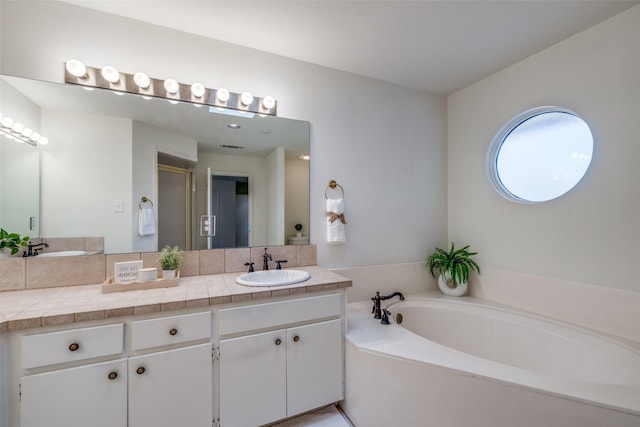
(275, 314)
(72, 345)
(170, 330)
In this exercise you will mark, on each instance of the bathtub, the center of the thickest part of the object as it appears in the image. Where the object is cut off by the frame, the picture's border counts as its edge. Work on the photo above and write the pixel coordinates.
(468, 362)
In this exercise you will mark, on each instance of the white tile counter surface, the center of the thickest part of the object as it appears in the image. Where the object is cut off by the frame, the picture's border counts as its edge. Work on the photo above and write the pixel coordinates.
(57, 306)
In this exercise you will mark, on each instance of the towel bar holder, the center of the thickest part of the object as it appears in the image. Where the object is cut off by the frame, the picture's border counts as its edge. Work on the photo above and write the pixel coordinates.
(333, 184)
(145, 200)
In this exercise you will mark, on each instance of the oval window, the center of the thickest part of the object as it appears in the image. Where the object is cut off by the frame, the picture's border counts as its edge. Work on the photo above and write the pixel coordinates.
(539, 155)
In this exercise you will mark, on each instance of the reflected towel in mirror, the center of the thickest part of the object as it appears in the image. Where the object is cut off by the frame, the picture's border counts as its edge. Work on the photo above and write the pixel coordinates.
(146, 221)
(335, 221)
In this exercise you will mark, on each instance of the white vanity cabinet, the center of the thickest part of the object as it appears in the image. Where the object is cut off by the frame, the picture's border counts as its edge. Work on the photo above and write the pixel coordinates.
(154, 372)
(294, 366)
(170, 388)
(93, 394)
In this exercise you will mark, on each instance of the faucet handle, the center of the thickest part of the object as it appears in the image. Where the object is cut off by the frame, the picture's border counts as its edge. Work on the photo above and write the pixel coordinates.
(385, 316)
(250, 264)
(278, 266)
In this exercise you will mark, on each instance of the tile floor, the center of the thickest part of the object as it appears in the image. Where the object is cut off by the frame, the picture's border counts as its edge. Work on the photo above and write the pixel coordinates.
(329, 416)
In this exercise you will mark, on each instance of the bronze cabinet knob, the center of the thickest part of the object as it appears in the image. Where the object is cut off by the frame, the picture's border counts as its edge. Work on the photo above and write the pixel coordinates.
(74, 346)
(140, 370)
(278, 341)
(296, 338)
(112, 375)
(173, 331)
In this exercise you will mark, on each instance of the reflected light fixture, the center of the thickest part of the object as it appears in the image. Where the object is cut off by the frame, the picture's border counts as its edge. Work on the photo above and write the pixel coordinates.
(304, 157)
(141, 84)
(19, 132)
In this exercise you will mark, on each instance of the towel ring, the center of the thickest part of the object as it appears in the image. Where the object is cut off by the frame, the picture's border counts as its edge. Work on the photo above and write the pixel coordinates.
(144, 200)
(333, 184)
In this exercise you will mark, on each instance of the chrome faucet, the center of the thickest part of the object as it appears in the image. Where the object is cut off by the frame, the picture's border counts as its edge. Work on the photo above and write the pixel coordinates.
(32, 250)
(266, 258)
(377, 312)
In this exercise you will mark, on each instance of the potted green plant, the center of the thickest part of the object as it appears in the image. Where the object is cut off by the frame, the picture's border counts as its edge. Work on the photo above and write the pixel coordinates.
(454, 267)
(11, 242)
(170, 260)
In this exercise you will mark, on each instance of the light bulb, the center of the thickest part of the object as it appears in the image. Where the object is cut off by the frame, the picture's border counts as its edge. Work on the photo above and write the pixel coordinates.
(173, 101)
(197, 89)
(246, 98)
(268, 102)
(26, 132)
(35, 137)
(7, 122)
(110, 74)
(76, 68)
(43, 140)
(142, 80)
(222, 95)
(145, 97)
(17, 127)
(171, 86)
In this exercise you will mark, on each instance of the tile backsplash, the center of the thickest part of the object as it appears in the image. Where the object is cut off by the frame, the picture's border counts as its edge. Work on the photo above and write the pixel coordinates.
(18, 273)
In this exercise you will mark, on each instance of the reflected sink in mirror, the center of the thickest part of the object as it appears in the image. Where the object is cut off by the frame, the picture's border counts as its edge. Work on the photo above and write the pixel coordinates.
(61, 253)
(273, 278)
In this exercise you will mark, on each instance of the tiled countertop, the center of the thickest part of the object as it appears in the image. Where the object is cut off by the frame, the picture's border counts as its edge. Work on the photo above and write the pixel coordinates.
(57, 306)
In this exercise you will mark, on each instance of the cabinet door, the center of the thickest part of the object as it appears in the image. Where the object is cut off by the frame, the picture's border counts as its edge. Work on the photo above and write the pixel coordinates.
(314, 366)
(253, 379)
(171, 388)
(93, 395)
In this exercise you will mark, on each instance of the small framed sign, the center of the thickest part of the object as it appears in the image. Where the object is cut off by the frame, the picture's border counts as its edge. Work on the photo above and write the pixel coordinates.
(126, 272)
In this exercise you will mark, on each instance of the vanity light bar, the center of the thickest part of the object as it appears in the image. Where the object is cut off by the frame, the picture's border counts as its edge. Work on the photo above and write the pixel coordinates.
(19, 132)
(140, 84)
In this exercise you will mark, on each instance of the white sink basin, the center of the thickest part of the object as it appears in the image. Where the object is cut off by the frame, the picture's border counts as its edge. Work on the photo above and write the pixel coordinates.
(273, 278)
(62, 253)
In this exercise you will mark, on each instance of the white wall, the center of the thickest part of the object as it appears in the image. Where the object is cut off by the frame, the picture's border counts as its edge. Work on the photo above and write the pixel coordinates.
(82, 174)
(591, 234)
(384, 144)
(19, 167)
(275, 196)
(296, 196)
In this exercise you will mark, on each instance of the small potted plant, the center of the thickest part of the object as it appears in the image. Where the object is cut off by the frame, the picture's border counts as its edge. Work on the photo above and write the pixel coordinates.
(454, 267)
(11, 242)
(170, 260)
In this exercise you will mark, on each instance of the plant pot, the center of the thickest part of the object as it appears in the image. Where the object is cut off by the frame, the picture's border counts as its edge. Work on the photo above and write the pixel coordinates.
(168, 274)
(445, 284)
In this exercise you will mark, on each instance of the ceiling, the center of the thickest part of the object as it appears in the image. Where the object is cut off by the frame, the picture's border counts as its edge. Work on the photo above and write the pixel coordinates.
(433, 46)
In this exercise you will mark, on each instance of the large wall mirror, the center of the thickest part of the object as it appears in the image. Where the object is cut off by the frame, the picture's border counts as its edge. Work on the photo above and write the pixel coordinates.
(109, 152)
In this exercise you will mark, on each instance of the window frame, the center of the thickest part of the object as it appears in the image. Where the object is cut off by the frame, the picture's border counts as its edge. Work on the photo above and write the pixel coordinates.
(499, 139)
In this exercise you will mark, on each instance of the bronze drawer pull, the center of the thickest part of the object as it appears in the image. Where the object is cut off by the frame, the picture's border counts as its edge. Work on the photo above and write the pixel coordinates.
(173, 331)
(296, 338)
(74, 346)
(112, 375)
(278, 341)
(140, 370)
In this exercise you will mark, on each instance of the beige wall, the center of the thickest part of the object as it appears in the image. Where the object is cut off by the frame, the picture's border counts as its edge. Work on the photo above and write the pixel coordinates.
(591, 234)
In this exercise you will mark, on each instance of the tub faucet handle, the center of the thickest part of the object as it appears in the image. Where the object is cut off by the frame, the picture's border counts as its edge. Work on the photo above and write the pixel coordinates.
(376, 306)
(385, 316)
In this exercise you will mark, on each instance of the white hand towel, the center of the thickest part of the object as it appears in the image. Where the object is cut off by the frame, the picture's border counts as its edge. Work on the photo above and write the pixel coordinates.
(335, 221)
(146, 222)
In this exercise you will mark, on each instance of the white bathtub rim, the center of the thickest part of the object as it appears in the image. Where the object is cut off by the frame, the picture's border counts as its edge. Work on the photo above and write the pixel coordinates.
(367, 335)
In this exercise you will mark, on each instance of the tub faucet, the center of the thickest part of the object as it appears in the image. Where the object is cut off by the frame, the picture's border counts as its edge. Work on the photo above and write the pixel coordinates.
(266, 258)
(32, 250)
(377, 313)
